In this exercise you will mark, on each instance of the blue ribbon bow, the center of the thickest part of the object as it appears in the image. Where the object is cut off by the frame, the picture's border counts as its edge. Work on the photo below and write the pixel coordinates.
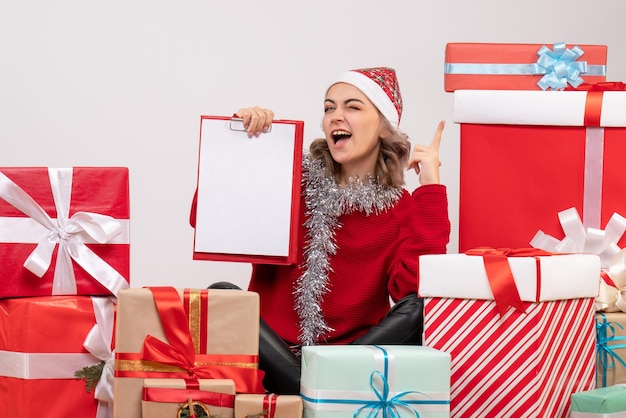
(605, 333)
(389, 407)
(559, 67)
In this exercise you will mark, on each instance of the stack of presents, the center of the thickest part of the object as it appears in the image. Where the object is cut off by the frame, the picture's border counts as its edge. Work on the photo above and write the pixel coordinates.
(526, 320)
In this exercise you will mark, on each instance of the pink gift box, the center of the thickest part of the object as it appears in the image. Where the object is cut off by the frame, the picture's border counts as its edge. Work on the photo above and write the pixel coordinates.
(64, 231)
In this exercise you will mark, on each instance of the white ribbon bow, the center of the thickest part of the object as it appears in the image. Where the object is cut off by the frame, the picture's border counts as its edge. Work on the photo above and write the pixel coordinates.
(98, 343)
(580, 240)
(70, 233)
(613, 298)
(594, 241)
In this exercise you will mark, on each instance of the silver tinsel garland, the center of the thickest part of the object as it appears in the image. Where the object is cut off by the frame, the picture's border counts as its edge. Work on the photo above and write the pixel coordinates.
(325, 203)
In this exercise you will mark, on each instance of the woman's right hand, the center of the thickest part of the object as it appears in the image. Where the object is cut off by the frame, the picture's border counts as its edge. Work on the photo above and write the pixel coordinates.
(425, 159)
(256, 120)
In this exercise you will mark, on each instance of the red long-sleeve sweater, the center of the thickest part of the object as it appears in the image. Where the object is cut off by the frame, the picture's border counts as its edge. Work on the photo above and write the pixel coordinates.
(376, 258)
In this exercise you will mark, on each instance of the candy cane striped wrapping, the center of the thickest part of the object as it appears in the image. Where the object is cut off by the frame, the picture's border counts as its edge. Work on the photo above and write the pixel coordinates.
(520, 365)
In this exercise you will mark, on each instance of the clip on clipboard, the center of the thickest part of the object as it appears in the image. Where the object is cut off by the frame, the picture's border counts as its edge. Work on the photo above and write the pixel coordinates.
(236, 124)
(248, 193)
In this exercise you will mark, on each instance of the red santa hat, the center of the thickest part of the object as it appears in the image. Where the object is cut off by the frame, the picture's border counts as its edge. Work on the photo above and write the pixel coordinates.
(380, 85)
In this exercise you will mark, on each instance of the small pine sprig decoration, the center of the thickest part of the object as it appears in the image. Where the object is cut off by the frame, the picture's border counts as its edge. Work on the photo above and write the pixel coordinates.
(194, 409)
(91, 375)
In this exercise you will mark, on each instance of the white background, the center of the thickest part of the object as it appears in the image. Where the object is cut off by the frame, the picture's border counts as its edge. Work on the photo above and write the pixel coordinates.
(123, 83)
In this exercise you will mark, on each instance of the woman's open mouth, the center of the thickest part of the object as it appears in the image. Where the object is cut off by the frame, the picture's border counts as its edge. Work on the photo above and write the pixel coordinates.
(340, 135)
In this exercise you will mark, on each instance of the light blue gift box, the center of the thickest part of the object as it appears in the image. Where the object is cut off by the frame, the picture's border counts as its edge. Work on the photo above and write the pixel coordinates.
(608, 402)
(351, 381)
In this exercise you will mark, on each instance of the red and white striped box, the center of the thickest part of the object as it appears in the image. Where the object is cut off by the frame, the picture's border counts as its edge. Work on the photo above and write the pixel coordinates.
(515, 364)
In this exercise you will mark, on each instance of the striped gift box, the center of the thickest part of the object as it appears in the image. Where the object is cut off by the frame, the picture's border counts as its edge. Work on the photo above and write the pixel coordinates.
(519, 363)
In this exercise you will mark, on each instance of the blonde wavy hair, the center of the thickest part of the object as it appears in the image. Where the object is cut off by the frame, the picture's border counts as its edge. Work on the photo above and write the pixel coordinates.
(391, 162)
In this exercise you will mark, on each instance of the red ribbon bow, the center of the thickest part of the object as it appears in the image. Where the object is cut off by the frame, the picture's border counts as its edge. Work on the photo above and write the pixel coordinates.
(180, 350)
(499, 274)
(602, 86)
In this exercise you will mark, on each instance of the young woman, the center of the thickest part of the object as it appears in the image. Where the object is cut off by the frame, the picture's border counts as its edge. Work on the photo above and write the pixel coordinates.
(361, 232)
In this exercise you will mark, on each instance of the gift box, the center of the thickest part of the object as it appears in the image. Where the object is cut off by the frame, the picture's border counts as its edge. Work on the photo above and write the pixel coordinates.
(520, 328)
(270, 405)
(611, 296)
(510, 66)
(40, 355)
(536, 161)
(64, 231)
(165, 398)
(611, 348)
(170, 333)
(601, 403)
(346, 380)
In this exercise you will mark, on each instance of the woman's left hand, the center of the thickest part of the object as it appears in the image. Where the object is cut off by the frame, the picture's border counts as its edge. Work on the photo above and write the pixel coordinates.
(425, 159)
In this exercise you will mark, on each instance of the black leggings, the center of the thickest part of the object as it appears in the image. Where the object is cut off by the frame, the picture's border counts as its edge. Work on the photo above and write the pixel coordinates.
(402, 325)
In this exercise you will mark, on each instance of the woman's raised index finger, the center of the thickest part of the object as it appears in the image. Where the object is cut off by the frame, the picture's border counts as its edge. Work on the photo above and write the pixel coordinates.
(438, 134)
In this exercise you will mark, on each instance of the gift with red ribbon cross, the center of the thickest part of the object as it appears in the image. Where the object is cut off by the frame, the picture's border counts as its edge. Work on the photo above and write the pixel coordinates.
(191, 334)
(506, 316)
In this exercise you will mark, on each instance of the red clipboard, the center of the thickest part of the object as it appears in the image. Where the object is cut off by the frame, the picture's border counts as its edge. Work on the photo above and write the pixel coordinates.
(248, 192)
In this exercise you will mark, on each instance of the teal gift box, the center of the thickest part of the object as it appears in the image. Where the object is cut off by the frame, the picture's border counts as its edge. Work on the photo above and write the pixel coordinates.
(344, 381)
(608, 402)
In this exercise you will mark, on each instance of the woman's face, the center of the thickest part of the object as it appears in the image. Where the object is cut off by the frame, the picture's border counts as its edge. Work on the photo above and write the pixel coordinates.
(352, 127)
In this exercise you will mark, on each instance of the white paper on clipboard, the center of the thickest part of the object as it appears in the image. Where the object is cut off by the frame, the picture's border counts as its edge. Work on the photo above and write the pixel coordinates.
(245, 190)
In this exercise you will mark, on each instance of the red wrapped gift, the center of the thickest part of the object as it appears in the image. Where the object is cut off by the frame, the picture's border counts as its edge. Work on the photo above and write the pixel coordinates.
(64, 231)
(529, 158)
(170, 333)
(501, 66)
(40, 354)
(519, 361)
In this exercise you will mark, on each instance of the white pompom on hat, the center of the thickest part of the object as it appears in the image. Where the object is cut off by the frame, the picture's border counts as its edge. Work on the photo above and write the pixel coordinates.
(381, 87)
